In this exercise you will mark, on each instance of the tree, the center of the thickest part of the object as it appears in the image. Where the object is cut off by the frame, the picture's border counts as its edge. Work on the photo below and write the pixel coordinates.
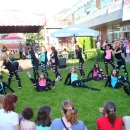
(32, 38)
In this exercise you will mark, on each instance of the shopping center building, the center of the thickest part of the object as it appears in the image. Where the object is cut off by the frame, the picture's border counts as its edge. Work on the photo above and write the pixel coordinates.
(110, 18)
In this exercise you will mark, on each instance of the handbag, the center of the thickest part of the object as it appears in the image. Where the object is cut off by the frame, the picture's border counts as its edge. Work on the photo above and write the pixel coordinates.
(64, 124)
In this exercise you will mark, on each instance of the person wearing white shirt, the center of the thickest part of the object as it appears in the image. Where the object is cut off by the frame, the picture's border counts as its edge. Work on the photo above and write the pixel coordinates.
(98, 45)
(10, 119)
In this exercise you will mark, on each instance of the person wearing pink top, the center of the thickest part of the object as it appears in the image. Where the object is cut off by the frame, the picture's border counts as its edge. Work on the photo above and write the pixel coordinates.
(108, 57)
(128, 49)
(97, 72)
(43, 83)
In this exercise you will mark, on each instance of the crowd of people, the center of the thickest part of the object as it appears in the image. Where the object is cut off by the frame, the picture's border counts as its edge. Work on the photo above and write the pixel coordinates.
(69, 120)
(42, 82)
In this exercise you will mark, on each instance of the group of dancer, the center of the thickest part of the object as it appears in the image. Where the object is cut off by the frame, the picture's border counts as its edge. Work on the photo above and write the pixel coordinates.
(43, 83)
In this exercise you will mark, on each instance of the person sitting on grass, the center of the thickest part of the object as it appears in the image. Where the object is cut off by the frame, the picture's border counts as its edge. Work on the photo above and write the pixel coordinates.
(26, 124)
(43, 120)
(109, 121)
(75, 82)
(126, 122)
(69, 120)
(117, 82)
(43, 83)
(9, 120)
(96, 71)
(3, 86)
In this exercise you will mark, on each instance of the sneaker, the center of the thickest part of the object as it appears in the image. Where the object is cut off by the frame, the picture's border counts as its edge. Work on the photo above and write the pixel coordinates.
(52, 87)
(61, 78)
(58, 78)
(19, 87)
(29, 75)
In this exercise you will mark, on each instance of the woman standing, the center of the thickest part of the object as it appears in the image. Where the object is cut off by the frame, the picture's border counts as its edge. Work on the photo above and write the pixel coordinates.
(81, 60)
(120, 60)
(69, 119)
(10, 119)
(54, 62)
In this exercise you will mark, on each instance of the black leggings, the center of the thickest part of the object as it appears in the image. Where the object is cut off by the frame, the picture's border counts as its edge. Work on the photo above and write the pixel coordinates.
(123, 65)
(81, 69)
(106, 61)
(101, 76)
(55, 70)
(10, 75)
(43, 67)
(80, 83)
(35, 71)
(121, 83)
(42, 88)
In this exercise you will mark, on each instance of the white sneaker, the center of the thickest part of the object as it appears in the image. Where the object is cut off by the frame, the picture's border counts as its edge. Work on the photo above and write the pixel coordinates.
(29, 75)
(58, 78)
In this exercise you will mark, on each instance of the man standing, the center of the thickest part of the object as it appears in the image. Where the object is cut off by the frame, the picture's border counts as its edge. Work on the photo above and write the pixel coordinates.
(20, 47)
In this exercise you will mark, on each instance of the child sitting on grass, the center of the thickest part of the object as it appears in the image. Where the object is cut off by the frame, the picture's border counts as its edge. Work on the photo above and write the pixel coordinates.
(96, 71)
(72, 77)
(43, 83)
(26, 124)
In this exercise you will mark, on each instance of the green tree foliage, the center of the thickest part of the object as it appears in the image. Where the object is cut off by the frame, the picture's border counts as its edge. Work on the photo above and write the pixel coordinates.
(32, 38)
(85, 43)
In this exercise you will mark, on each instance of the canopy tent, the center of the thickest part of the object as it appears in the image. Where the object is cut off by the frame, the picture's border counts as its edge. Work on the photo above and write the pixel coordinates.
(12, 38)
(15, 21)
(75, 31)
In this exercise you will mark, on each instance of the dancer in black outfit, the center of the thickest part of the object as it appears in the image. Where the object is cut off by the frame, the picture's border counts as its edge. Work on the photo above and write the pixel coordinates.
(3, 86)
(72, 79)
(35, 63)
(81, 60)
(120, 60)
(108, 58)
(14, 71)
(42, 83)
(54, 62)
(117, 82)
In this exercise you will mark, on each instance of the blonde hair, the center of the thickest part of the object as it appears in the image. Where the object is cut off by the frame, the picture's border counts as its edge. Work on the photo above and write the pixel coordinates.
(69, 111)
(73, 68)
(116, 45)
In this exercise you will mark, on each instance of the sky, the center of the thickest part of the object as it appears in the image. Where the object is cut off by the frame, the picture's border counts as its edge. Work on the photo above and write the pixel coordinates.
(48, 7)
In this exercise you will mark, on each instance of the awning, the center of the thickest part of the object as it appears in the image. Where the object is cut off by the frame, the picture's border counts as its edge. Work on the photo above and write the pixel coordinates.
(14, 21)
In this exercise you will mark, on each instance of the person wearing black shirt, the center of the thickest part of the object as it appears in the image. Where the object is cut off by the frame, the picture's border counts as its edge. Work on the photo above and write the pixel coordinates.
(3, 86)
(81, 60)
(120, 60)
(54, 62)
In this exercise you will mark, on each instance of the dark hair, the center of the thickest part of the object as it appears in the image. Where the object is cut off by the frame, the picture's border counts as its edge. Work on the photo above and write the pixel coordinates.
(112, 72)
(53, 48)
(69, 111)
(43, 116)
(27, 113)
(43, 75)
(95, 68)
(110, 109)
(1, 76)
(8, 102)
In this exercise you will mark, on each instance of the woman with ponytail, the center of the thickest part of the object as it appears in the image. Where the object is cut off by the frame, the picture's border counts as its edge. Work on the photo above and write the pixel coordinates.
(69, 120)
(109, 121)
(43, 120)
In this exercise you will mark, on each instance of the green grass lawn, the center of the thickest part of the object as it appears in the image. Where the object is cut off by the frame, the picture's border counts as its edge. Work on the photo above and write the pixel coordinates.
(86, 101)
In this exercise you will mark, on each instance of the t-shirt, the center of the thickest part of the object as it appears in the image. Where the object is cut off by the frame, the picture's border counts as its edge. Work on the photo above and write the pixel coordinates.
(42, 128)
(127, 122)
(42, 82)
(113, 81)
(95, 73)
(118, 56)
(20, 47)
(58, 125)
(103, 123)
(8, 120)
(108, 54)
(74, 77)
